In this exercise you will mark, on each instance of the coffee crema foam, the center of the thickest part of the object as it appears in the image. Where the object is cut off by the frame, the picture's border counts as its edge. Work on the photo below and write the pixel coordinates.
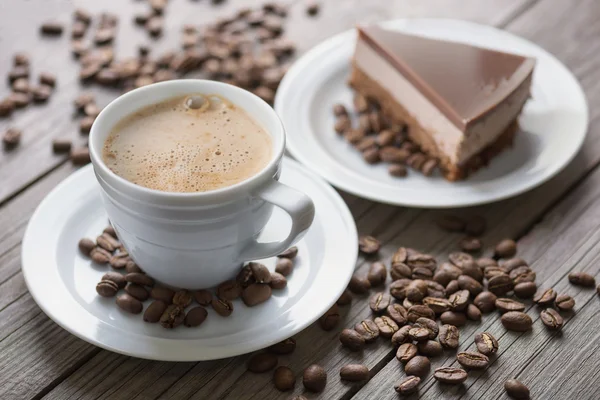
(174, 148)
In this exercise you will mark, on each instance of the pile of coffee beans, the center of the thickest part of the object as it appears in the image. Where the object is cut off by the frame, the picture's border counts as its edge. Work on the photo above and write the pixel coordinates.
(380, 140)
(254, 285)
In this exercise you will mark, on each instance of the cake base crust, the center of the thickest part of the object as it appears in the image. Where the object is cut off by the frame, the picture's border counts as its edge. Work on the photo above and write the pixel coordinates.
(371, 89)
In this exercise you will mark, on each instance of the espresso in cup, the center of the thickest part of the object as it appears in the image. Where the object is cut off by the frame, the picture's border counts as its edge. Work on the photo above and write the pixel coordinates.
(193, 143)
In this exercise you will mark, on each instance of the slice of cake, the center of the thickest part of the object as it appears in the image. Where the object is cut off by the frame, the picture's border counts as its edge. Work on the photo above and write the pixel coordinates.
(460, 102)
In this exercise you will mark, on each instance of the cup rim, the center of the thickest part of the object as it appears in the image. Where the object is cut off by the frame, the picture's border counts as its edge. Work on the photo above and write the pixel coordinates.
(105, 172)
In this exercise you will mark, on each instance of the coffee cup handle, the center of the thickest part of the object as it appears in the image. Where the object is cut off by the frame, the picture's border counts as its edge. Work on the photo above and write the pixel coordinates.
(299, 207)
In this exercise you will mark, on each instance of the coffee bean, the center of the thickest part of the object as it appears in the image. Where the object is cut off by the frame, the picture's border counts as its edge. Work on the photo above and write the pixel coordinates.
(339, 110)
(472, 360)
(163, 294)
(473, 270)
(470, 244)
(195, 317)
(582, 279)
(516, 389)
(354, 373)
(368, 244)
(525, 290)
(117, 278)
(414, 292)
(418, 333)
(132, 267)
(453, 318)
(449, 336)
(278, 281)
(505, 249)
(402, 336)
(368, 329)
(256, 294)
(345, 298)
(290, 253)
(421, 261)
(397, 313)
(552, 319)
(222, 307)
(387, 327)
(506, 305)
(564, 302)
(352, 339)
(394, 155)
(430, 348)
(262, 362)
(500, 284)
(526, 276)
(154, 311)
(438, 305)
(450, 375)
(6, 107)
(330, 319)
(245, 277)
(452, 287)
(492, 271)
(286, 346)
(21, 85)
(99, 255)
(107, 242)
(486, 343)
(473, 313)
(459, 300)
(418, 365)
(379, 302)
(129, 304)
(284, 379)
(475, 226)
(398, 288)
(485, 301)
(183, 298)
(314, 378)
(545, 297)
(137, 291)
(86, 246)
(284, 266)
(430, 325)
(408, 386)
(260, 273)
(377, 274)
(451, 223)
(107, 288)
(229, 290)
(516, 321)
(20, 59)
(417, 311)
(154, 25)
(359, 285)
(140, 279)
(513, 263)
(406, 352)
(51, 28)
(466, 282)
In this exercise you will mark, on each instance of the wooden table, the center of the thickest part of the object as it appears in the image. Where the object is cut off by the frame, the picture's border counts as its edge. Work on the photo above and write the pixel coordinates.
(556, 225)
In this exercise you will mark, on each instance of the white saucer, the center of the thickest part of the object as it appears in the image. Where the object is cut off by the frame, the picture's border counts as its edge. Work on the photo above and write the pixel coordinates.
(63, 282)
(554, 123)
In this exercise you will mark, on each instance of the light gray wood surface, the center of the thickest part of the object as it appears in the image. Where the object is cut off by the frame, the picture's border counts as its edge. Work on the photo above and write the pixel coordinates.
(556, 226)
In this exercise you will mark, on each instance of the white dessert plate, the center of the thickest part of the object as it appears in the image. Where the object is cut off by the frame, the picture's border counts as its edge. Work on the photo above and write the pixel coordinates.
(553, 123)
(63, 282)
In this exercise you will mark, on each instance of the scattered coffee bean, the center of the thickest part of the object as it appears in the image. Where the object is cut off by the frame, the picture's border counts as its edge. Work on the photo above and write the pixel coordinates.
(368, 329)
(11, 138)
(368, 244)
(506, 248)
(345, 298)
(564, 302)
(379, 302)
(154, 311)
(486, 343)
(172, 317)
(195, 317)
(131, 267)
(222, 307)
(397, 170)
(330, 319)
(449, 336)
(430, 325)
(418, 333)
(51, 28)
(6, 107)
(61, 145)
(430, 348)
(377, 274)
(47, 79)
(582, 279)
(470, 244)
(80, 156)
(256, 293)
(516, 321)
(229, 290)
(545, 297)
(137, 291)
(459, 300)
(284, 266)
(262, 362)
(163, 294)
(505, 305)
(485, 301)
(525, 290)
(99, 255)
(260, 272)
(86, 246)
(351, 339)
(500, 284)
(397, 313)
(418, 366)
(314, 378)
(286, 346)
(140, 279)
(452, 287)
(359, 285)
(290, 253)
(450, 375)
(408, 386)
(183, 298)
(516, 389)
(387, 327)
(129, 304)
(107, 288)
(472, 360)
(278, 281)
(465, 282)
(473, 313)
(453, 318)
(552, 319)
(116, 277)
(438, 305)
(284, 379)
(451, 223)
(406, 352)
(417, 311)
(354, 373)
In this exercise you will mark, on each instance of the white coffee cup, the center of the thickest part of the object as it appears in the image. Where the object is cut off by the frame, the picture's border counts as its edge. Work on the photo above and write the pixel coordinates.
(197, 240)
